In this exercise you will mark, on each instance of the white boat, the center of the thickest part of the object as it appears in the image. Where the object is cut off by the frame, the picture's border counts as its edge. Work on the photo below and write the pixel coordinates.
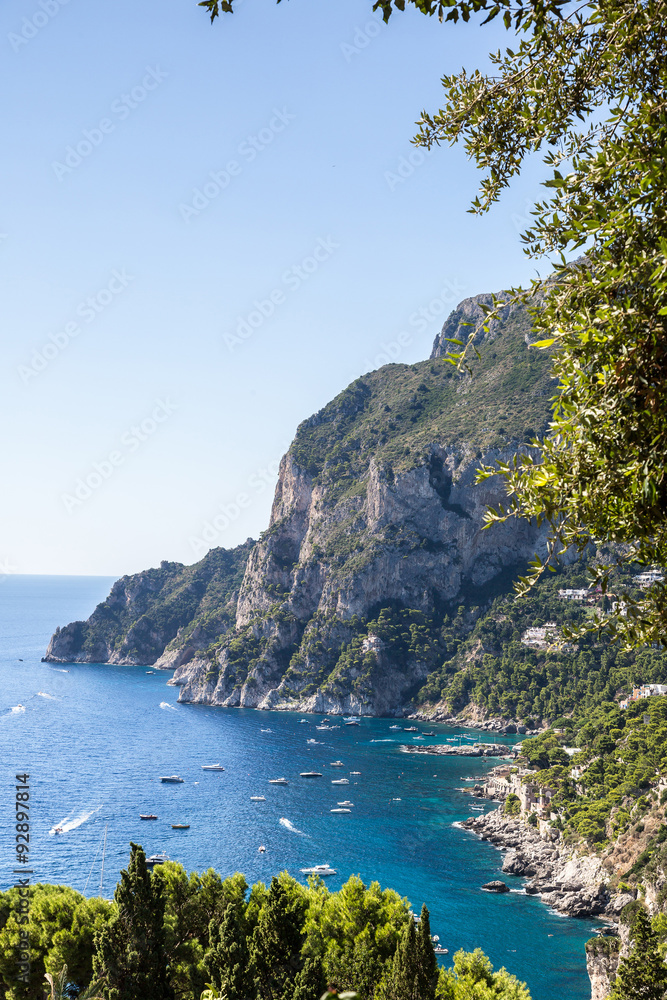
(394, 727)
(172, 779)
(355, 772)
(441, 951)
(319, 870)
(212, 767)
(336, 763)
(303, 722)
(257, 798)
(156, 859)
(310, 774)
(313, 741)
(352, 722)
(340, 781)
(278, 781)
(344, 810)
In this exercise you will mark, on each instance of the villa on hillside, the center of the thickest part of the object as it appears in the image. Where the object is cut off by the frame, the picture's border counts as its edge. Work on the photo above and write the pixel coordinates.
(540, 636)
(644, 691)
(647, 579)
(574, 594)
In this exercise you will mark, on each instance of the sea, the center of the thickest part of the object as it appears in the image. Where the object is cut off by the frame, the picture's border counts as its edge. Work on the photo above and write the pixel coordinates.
(95, 740)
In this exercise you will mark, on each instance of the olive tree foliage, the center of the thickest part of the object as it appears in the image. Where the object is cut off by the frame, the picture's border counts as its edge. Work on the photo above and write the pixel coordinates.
(584, 86)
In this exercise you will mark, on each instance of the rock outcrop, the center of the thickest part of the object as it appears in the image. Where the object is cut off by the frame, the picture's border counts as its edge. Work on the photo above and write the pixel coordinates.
(377, 531)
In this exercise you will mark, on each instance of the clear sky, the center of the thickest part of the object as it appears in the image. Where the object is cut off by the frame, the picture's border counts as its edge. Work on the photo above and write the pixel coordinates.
(206, 233)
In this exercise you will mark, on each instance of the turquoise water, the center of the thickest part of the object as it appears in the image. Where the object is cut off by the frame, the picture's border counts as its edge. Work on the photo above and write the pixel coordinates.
(95, 740)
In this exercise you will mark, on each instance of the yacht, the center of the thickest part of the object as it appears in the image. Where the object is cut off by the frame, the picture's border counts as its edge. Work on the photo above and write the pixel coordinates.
(172, 779)
(303, 722)
(147, 816)
(212, 767)
(261, 849)
(278, 781)
(355, 772)
(180, 826)
(319, 870)
(343, 810)
(257, 798)
(428, 734)
(352, 722)
(439, 950)
(156, 859)
(347, 804)
(313, 742)
(150, 671)
(310, 774)
(336, 763)
(394, 727)
(410, 729)
(340, 781)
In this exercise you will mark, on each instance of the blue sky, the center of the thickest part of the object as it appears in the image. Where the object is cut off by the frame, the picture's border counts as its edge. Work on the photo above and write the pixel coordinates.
(206, 233)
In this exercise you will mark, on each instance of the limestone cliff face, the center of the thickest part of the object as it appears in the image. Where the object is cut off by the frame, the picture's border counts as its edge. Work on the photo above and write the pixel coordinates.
(602, 960)
(407, 547)
(376, 533)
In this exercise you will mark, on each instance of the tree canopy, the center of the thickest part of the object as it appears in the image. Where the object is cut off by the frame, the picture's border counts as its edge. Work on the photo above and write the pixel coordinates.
(584, 85)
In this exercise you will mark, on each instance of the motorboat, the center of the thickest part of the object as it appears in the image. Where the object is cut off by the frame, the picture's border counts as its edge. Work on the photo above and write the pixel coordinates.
(420, 737)
(341, 810)
(340, 781)
(58, 829)
(278, 781)
(156, 859)
(303, 722)
(313, 742)
(212, 767)
(394, 727)
(324, 727)
(336, 763)
(261, 849)
(410, 729)
(428, 734)
(347, 804)
(266, 730)
(147, 816)
(180, 826)
(441, 951)
(150, 671)
(310, 774)
(355, 772)
(319, 870)
(352, 722)
(172, 779)
(257, 798)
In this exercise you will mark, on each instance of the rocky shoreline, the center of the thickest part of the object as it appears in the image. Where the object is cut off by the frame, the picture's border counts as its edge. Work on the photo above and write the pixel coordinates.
(571, 883)
(476, 750)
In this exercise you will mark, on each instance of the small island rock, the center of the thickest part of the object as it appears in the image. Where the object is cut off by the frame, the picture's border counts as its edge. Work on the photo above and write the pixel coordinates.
(496, 886)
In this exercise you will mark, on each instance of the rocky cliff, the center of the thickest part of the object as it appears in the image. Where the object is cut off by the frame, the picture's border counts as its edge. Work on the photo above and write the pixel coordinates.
(376, 532)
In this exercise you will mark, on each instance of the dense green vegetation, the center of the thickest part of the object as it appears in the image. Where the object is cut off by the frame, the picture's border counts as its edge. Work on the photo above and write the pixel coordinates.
(392, 415)
(492, 669)
(609, 788)
(168, 935)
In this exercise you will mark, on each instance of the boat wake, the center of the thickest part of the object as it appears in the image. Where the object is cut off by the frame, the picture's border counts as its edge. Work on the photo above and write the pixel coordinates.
(290, 826)
(72, 822)
(383, 741)
(166, 705)
(17, 709)
(43, 694)
(59, 670)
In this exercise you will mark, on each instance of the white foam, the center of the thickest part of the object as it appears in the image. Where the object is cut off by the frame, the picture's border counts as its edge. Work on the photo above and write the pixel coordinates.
(72, 822)
(166, 705)
(43, 694)
(18, 708)
(290, 826)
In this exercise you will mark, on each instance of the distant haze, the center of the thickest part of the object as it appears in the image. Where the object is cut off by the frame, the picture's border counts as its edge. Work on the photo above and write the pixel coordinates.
(208, 232)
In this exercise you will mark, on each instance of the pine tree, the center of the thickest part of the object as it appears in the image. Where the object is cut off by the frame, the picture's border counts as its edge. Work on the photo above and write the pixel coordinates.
(405, 973)
(643, 974)
(227, 960)
(275, 946)
(427, 977)
(130, 957)
(310, 983)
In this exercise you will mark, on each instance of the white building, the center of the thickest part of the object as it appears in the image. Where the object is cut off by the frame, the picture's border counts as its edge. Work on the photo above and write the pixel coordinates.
(647, 579)
(573, 594)
(540, 635)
